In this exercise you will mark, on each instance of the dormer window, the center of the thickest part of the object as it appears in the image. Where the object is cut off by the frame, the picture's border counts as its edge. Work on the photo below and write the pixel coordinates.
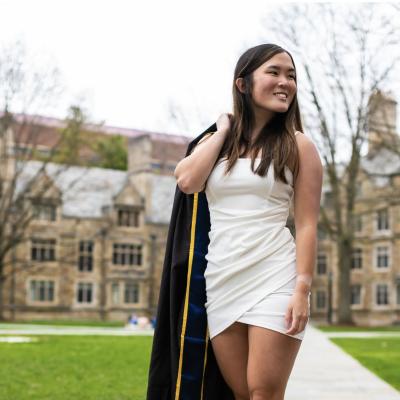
(43, 211)
(43, 249)
(128, 216)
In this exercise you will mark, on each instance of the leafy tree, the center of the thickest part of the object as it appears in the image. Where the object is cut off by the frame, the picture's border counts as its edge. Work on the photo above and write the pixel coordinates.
(112, 152)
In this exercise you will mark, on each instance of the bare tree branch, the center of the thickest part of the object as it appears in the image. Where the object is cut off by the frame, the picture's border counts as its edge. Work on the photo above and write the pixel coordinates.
(352, 53)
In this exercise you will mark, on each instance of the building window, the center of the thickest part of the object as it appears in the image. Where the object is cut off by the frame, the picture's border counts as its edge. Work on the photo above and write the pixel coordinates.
(42, 290)
(127, 254)
(356, 260)
(128, 217)
(131, 293)
(321, 233)
(321, 299)
(115, 293)
(382, 257)
(328, 199)
(44, 212)
(355, 294)
(382, 294)
(86, 255)
(357, 223)
(382, 220)
(321, 264)
(43, 249)
(85, 292)
(358, 189)
(398, 293)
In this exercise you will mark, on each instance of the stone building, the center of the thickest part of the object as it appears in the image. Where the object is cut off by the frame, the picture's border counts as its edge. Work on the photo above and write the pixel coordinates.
(375, 262)
(95, 247)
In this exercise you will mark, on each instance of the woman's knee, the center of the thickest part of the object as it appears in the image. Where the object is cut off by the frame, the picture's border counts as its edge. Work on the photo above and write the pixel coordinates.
(267, 392)
(271, 358)
(241, 396)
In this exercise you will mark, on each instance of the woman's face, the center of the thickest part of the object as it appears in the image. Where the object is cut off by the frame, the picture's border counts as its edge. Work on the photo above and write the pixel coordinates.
(275, 76)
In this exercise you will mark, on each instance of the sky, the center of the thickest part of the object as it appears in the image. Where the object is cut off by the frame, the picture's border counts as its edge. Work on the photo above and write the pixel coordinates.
(127, 62)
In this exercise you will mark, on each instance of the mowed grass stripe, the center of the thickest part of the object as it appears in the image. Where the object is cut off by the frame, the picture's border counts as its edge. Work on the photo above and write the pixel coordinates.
(75, 367)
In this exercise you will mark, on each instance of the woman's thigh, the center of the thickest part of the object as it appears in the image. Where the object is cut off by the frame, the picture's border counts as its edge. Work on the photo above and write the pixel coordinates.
(271, 359)
(231, 352)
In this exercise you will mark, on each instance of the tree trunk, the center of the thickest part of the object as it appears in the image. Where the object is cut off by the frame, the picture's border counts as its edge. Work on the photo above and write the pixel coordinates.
(1, 294)
(344, 248)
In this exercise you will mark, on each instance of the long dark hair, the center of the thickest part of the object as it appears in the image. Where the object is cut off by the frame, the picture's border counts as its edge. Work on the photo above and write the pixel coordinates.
(277, 138)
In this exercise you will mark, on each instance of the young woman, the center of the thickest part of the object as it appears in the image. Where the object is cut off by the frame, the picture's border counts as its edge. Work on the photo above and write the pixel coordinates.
(258, 277)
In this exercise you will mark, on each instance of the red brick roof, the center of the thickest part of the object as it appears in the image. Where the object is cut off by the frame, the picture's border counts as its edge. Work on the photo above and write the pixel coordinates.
(44, 132)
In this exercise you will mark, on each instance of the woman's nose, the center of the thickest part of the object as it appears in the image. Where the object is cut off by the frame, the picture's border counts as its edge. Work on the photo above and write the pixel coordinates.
(283, 82)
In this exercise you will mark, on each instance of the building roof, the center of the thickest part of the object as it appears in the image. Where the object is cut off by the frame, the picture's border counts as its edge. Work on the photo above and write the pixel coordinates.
(49, 124)
(384, 162)
(381, 165)
(85, 191)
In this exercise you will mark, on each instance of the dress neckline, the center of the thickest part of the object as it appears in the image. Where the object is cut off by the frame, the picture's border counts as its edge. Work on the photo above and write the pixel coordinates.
(225, 160)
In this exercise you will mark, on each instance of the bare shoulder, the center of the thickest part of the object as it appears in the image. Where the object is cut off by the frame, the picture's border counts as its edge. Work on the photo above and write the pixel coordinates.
(304, 143)
(301, 136)
(307, 184)
(309, 158)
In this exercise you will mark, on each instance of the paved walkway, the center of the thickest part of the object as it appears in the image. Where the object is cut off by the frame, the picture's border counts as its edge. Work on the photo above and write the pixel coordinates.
(323, 371)
(25, 329)
(362, 334)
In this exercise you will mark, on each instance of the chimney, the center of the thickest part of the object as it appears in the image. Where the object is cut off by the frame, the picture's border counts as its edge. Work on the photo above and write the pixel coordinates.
(7, 149)
(382, 121)
(151, 155)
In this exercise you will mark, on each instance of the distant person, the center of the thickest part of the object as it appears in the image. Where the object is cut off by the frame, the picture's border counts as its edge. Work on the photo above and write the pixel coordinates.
(133, 319)
(143, 322)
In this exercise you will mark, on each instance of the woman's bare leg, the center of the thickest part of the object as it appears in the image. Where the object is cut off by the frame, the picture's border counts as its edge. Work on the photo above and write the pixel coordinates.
(271, 359)
(231, 352)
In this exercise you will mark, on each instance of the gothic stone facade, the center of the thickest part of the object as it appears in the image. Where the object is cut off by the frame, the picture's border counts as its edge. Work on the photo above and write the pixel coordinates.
(375, 262)
(96, 246)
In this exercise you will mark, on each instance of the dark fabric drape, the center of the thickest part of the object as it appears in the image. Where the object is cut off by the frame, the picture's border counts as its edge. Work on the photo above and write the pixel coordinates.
(182, 364)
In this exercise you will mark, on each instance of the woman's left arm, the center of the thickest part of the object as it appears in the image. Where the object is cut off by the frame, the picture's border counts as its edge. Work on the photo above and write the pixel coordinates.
(307, 197)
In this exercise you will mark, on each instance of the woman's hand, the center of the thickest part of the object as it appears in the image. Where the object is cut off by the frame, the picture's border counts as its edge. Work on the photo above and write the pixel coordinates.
(224, 122)
(297, 314)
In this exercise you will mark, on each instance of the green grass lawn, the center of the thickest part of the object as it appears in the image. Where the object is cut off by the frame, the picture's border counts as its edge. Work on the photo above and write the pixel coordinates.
(75, 368)
(113, 324)
(380, 355)
(115, 368)
(110, 324)
(351, 328)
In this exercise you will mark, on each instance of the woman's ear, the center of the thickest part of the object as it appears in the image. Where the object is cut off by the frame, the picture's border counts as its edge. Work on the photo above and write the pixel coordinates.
(240, 84)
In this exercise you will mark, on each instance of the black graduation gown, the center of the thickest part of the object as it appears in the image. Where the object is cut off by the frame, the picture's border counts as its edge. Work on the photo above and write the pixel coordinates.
(182, 364)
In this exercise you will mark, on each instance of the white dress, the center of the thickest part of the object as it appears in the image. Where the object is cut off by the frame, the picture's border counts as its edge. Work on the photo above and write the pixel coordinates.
(251, 259)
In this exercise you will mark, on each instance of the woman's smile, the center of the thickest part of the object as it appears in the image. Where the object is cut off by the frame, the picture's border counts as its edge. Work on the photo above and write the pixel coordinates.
(281, 96)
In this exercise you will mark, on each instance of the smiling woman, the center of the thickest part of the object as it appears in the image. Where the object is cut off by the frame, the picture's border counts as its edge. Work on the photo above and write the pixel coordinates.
(235, 188)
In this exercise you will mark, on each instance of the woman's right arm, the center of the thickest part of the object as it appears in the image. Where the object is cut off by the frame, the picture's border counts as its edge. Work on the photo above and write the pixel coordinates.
(192, 171)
